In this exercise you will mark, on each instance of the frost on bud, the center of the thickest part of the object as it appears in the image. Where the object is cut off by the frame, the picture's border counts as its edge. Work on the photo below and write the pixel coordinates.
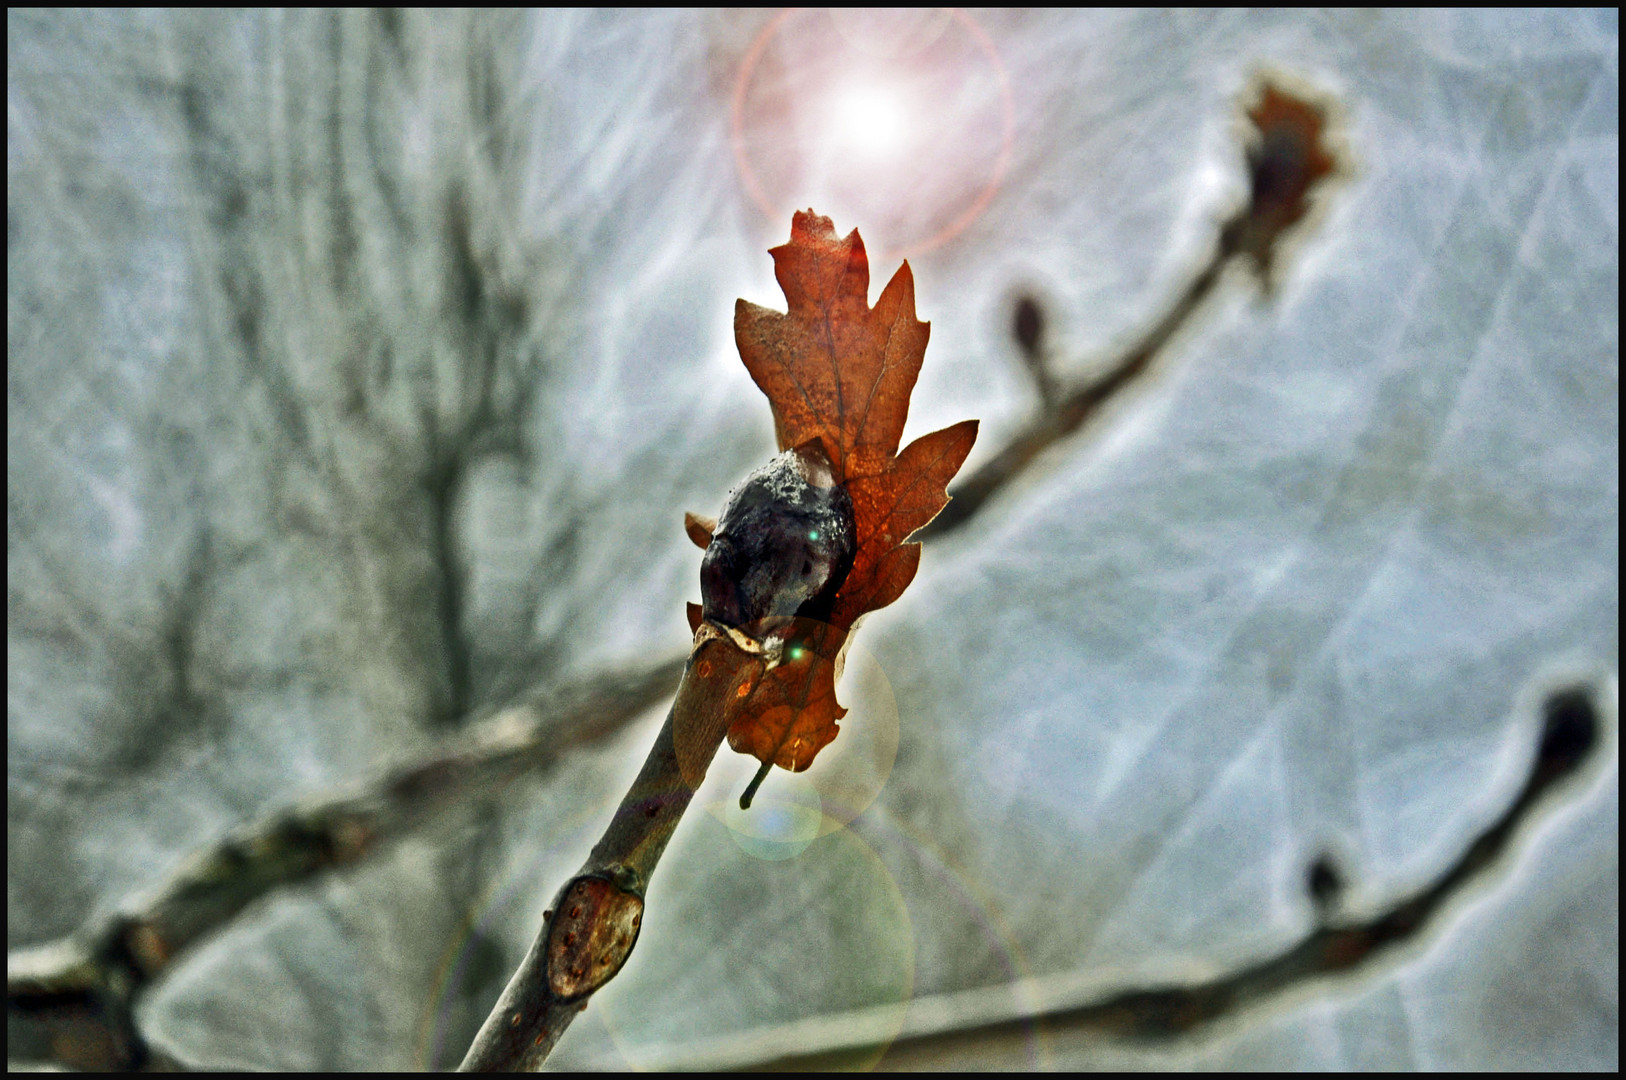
(783, 545)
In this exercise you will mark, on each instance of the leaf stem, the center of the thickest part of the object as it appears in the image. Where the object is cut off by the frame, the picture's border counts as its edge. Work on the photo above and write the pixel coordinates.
(756, 782)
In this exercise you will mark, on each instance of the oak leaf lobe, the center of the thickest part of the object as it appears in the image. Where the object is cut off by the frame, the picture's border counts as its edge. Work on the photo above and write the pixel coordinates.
(838, 371)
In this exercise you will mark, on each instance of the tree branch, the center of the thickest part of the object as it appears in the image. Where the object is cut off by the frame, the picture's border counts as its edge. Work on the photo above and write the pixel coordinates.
(592, 927)
(1064, 412)
(985, 1025)
(72, 1001)
(1289, 159)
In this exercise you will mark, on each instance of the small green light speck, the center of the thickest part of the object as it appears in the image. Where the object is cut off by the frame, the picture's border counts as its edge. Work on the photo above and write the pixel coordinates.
(814, 535)
(796, 654)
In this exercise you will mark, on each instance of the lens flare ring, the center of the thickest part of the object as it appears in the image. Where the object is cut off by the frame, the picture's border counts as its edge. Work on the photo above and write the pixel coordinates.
(869, 130)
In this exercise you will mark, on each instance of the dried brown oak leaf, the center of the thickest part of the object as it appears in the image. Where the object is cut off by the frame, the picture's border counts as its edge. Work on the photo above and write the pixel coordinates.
(1289, 155)
(841, 372)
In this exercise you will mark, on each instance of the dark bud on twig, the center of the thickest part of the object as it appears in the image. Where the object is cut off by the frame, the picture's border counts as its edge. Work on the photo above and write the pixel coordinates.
(1325, 884)
(1288, 155)
(1569, 731)
(783, 546)
(1028, 328)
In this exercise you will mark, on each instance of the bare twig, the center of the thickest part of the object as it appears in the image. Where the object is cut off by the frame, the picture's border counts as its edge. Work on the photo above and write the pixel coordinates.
(1289, 158)
(590, 931)
(71, 1001)
(1062, 414)
(944, 1031)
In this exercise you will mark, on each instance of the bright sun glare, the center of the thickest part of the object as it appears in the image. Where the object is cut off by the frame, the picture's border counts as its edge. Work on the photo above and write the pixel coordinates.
(869, 119)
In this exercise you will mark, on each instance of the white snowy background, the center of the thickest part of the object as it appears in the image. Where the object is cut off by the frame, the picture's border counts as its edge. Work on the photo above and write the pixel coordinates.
(361, 367)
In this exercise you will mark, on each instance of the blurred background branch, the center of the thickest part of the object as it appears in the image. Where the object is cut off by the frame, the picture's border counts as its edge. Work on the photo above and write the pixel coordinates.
(359, 376)
(116, 959)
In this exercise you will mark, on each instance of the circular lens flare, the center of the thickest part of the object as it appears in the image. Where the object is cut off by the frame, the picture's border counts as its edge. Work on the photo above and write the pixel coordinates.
(869, 119)
(842, 783)
(827, 934)
(891, 33)
(905, 131)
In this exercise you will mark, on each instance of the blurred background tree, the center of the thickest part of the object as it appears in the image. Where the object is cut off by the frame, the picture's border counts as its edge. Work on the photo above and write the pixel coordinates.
(362, 365)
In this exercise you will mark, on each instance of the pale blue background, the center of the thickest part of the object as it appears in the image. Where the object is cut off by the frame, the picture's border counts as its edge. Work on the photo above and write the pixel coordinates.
(1300, 593)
